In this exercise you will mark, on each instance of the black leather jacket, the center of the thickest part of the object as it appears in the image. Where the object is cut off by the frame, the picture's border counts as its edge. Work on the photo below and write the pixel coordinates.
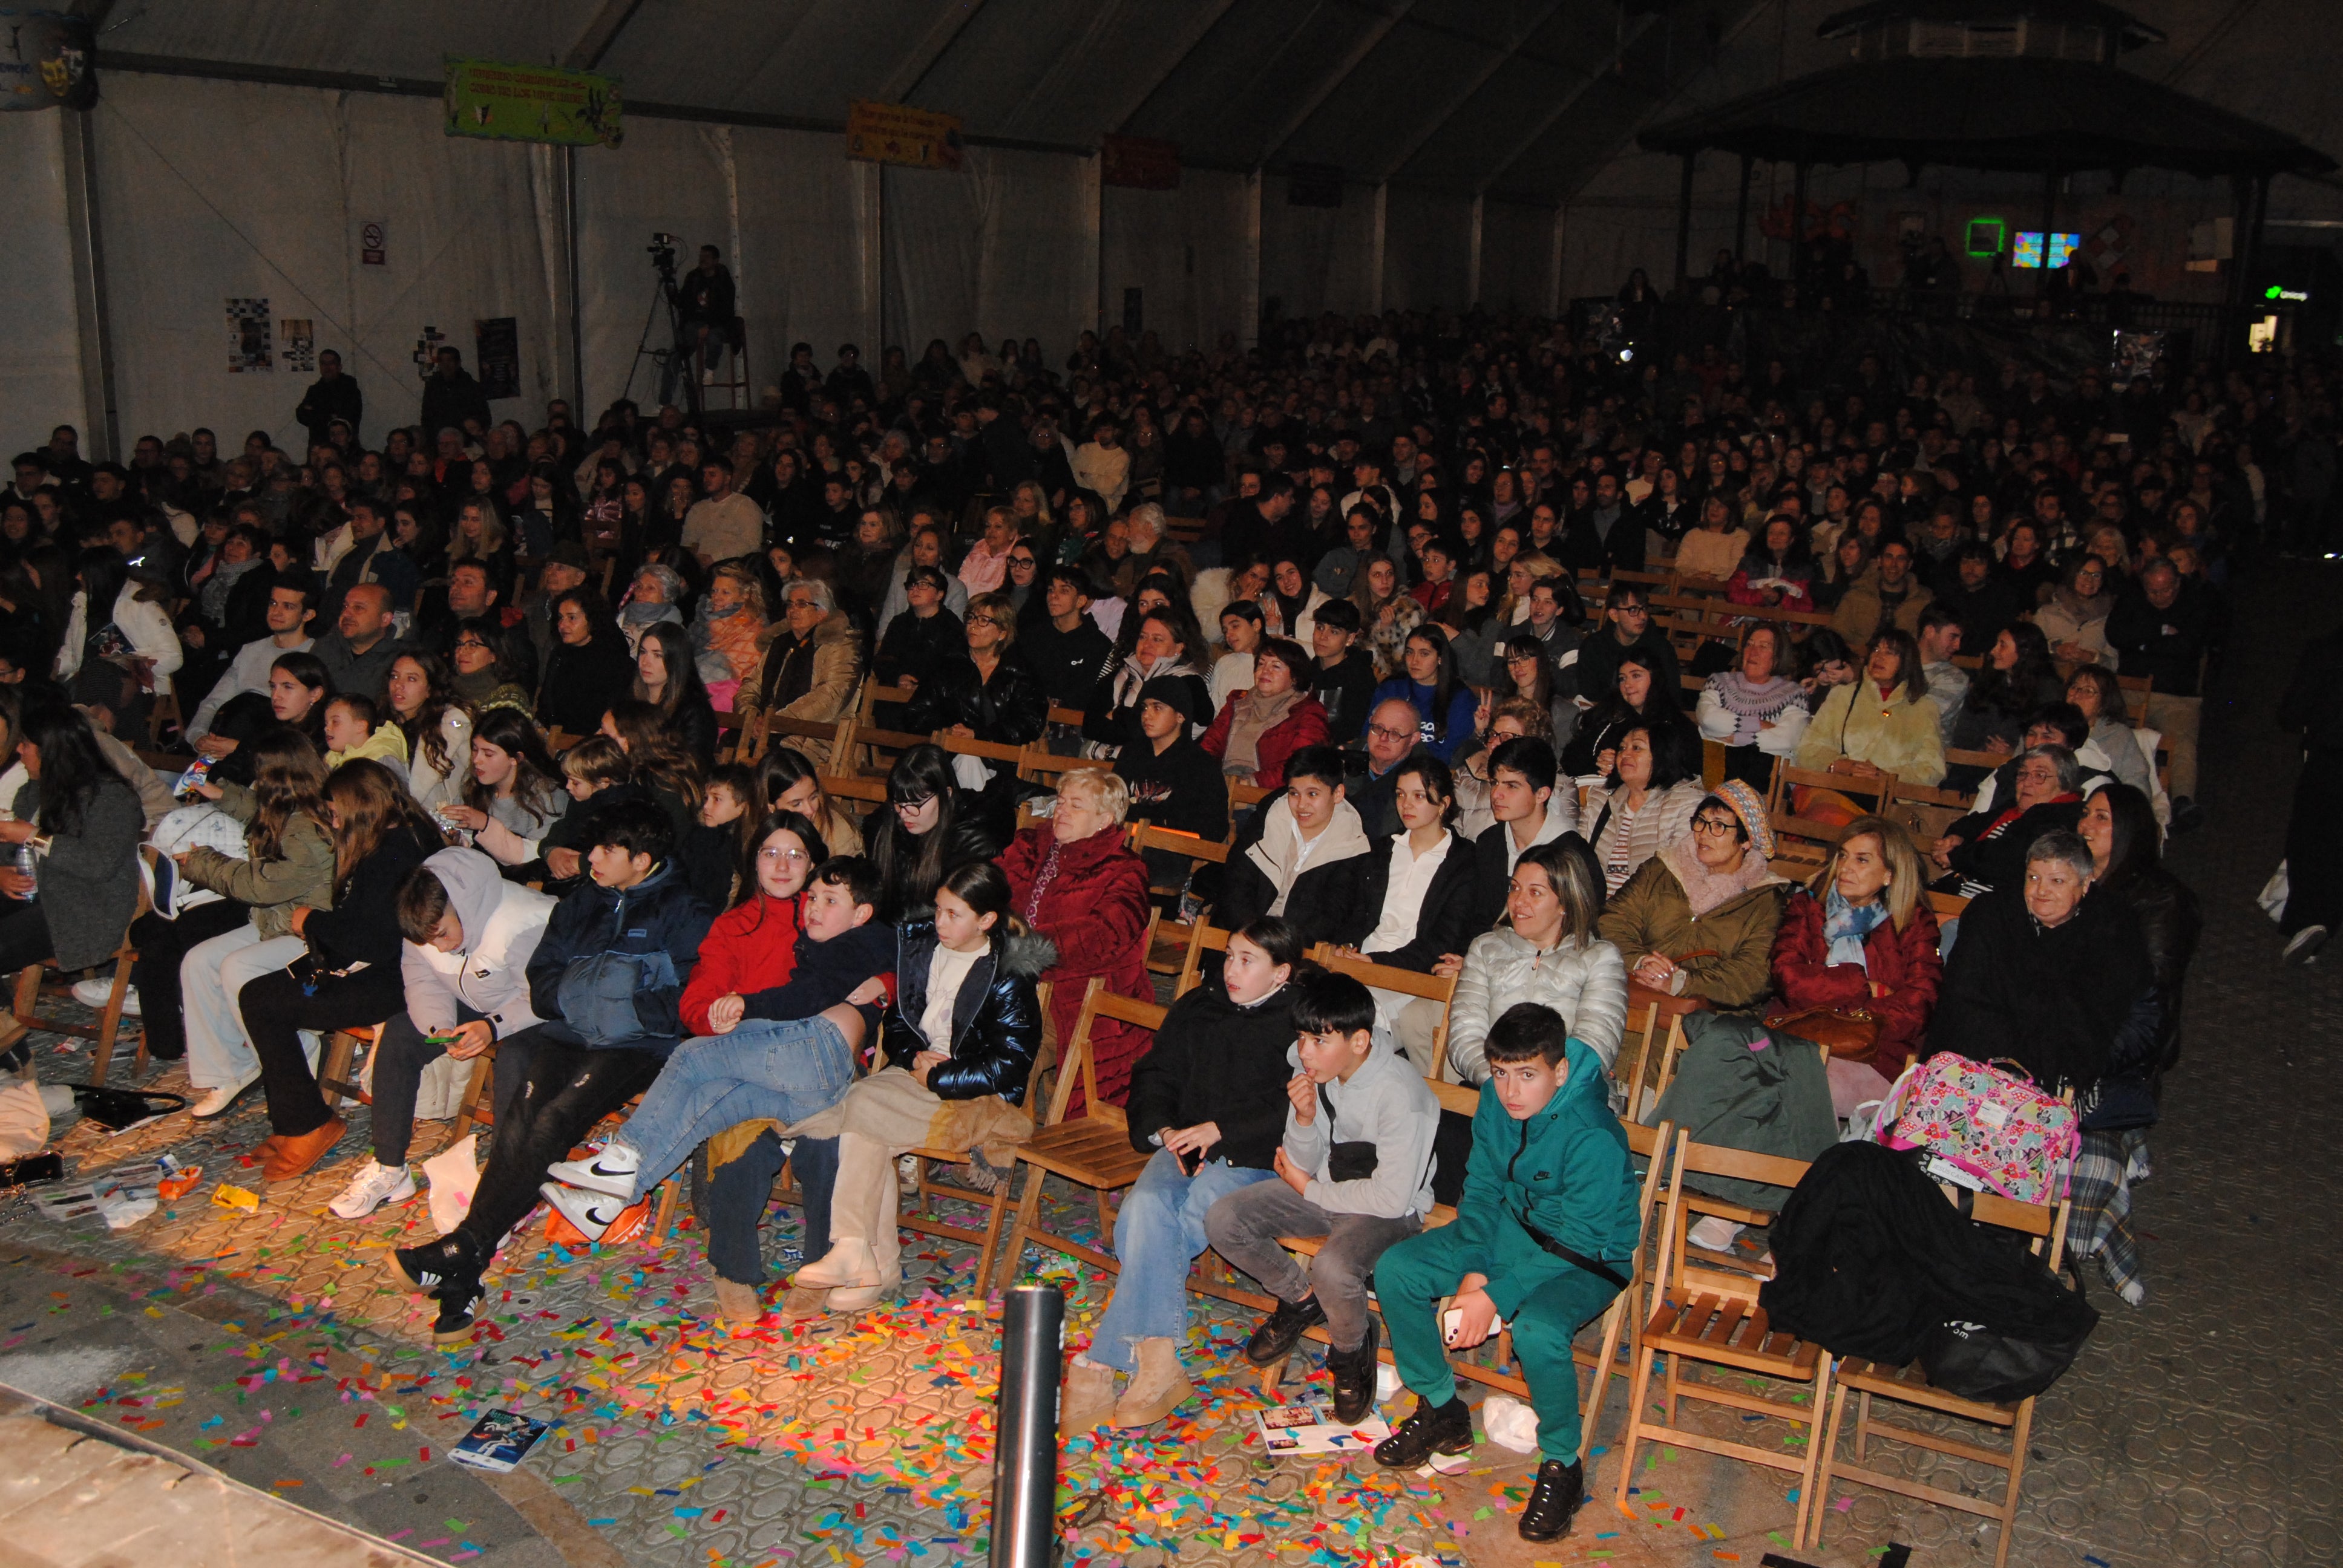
(2170, 921)
(1011, 709)
(996, 1017)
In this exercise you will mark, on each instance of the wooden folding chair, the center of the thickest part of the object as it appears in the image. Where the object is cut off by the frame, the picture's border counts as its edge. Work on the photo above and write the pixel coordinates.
(1710, 1315)
(1146, 836)
(1244, 794)
(1073, 717)
(869, 791)
(1655, 1044)
(1092, 1149)
(1043, 766)
(827, 743)
(334, 1080)
(2046, 1224)
(31, 981)
(1441, 988)
(883, 745)
(1203, 938)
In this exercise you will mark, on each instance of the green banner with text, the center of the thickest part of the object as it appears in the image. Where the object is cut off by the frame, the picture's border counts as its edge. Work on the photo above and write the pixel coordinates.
(509, 103)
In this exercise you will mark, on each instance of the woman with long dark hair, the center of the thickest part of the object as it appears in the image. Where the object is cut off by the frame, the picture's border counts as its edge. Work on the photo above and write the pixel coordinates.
(588, 661)
(788, 780)
(1637, 700)
(2017, 678)
(438, 730)
(83, 823)
(929, 825)
(350, 975)
(513, 791)
(668, 678)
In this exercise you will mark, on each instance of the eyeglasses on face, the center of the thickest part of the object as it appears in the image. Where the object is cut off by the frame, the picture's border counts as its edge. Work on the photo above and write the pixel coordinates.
(1384, 732)
(1714, 827)
(782, 854)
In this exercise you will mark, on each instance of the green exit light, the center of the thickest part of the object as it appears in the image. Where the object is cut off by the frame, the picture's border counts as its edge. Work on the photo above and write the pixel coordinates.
(1986, 235)
(2272, 292)
(2292, 296)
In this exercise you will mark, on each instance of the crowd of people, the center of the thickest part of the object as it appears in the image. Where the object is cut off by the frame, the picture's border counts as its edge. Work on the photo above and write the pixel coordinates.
(482, 730)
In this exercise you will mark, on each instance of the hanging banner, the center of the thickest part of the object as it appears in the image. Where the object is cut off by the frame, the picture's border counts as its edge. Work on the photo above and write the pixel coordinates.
(298, 334)
(496, 355)
(1141, 162)
(247, 337)
(46, 60)
(508, 103)
(879, 133)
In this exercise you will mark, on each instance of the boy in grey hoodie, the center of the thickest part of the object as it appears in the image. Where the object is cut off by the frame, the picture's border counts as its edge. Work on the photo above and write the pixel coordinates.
(1356, 1167)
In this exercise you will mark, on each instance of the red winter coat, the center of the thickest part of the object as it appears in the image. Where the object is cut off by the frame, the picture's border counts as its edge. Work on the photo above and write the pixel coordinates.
(751, 947)
(1904, 960)
(1094, 906)
(1305, 726)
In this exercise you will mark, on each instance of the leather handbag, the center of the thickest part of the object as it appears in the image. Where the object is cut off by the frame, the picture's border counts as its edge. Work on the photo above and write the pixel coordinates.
(1850, 1031)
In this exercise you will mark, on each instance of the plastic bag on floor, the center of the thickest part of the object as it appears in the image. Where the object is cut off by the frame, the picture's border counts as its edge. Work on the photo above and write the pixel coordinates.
(1510, 1423)
(453, 1174)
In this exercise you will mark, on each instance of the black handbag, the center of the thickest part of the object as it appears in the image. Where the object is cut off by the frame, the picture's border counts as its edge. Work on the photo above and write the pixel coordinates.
(1971, 1362)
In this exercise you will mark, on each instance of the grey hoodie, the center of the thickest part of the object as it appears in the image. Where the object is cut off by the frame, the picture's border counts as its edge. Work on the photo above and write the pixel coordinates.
(489, 972)
(1387, 1103)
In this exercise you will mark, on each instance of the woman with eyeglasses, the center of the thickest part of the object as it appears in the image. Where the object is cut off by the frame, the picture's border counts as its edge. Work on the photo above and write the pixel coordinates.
(927, 827)
(987, 693)
(1699, 917)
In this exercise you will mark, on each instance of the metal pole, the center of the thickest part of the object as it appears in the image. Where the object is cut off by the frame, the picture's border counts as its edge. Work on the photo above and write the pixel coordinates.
(1025, 1456)
(1684, 223)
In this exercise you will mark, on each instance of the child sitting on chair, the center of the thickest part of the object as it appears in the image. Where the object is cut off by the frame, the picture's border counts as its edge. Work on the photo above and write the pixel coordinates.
(1356, 1167)
(1207, 1100)
(1541, 1238)
(354, 728)
(959, 1040)
(782, 1054)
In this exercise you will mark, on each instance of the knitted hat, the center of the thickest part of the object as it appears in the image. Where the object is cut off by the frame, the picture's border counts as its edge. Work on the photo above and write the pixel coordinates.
(1175, 692)
(1749, 806)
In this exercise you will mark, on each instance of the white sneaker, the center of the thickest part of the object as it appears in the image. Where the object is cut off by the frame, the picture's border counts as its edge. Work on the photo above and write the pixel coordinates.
(610, 1170)
(2305, 945)
(591, 1212)
(93, 994)
(906, 1174)
(371, 1188)
(217, 1102)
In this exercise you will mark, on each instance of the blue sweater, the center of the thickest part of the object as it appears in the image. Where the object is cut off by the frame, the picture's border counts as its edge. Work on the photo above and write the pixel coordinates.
(1461, 709)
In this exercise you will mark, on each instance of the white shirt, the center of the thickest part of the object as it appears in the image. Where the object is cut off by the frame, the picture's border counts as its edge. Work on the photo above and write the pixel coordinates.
(1410, 878)
(946, 971)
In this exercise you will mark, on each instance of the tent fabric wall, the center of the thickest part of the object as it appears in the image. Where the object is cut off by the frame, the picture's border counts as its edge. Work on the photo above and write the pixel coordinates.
(1517, 259)
(668, 178)
(1427, 248)
(213, 191)
(1006, 245)
(1315, 258)
(1184, 250)
(40, 347)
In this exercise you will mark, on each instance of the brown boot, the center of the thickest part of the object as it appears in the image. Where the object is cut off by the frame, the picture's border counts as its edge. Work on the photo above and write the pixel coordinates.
(738, 1304)
(1159, 1386)
(293, 1156)
(1087, 1401)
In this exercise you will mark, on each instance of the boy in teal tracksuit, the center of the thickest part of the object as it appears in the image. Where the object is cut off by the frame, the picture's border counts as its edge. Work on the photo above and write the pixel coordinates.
(1541, 1238)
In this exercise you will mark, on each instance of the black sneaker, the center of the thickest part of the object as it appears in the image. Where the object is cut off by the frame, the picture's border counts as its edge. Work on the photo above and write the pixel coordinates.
(1354, 1380)
(459, 1303)
(2186, 815)
(1427, 1430)
(1560, 1489)
(432, 1267)
(1280, 1332)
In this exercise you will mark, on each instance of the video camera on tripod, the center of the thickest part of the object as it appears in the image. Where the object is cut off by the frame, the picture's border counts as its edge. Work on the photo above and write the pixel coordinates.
(662, 249)
(670, 361)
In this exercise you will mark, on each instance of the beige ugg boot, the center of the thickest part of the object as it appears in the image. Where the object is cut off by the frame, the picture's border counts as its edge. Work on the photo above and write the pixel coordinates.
(1159, 1386)
(737, 1305)
(1087, 1402)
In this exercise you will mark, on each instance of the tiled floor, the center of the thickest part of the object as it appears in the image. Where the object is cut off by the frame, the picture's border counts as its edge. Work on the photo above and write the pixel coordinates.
(2199, 1428)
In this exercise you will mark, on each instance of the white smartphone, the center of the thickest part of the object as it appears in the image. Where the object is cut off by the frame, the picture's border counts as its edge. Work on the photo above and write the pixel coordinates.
(1453, 1319)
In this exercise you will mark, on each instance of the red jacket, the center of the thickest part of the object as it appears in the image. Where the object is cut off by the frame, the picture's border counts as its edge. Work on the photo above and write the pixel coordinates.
(1094, 908)
(1904, 960)
(751, 947)
(1305, 726)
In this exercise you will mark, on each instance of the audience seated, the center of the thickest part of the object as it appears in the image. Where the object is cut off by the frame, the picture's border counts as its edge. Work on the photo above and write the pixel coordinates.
(1637, 699)
(514, 791)
(1987, 848)
(786, 782)
(1548, 952)
(1419, 886)
(1526, 810)
(1302, 857)
(608, 977)
(589, 662)
(929, 827)
(1699, 919)
(1263, 725)
(1645, 804)
(1073, 880)
(1207, 1106)
(1173, 781)
(1883, 723)
(1757, 710)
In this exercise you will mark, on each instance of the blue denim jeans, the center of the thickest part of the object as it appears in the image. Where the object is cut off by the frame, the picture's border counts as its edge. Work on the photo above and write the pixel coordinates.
(784, 1071)
(1157, 1235)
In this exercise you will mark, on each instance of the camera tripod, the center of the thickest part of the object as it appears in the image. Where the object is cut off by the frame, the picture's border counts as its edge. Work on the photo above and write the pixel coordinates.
(665, 292)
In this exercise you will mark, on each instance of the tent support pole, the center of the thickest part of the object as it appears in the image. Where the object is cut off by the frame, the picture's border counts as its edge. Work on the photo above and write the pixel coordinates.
(100, 412)
(1683, 222)
(1741, 214)
(576, 307)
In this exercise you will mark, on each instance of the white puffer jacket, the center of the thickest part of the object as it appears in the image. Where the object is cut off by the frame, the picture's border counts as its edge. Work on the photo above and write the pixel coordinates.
(1585, 983)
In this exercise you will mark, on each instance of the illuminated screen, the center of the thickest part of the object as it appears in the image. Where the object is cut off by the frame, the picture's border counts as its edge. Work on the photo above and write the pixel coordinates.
(1986, 235)
(2028, 251)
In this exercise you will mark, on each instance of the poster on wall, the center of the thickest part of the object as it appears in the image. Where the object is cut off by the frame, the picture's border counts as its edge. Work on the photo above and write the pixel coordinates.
(298, 334)
(879, 133)
(247, 337)
(49, 62)
(512, 102)
(496, 355)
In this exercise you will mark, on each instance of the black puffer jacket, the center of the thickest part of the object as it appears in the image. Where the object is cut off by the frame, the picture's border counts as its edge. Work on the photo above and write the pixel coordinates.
(996, 1017)
(1215, 1060)
(1011, 709)
(2170, 921)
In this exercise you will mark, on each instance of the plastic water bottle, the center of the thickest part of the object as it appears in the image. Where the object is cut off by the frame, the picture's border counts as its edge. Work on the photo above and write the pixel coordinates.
(28, 866)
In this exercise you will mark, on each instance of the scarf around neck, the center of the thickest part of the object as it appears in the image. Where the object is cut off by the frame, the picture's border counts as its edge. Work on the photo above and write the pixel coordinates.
(1845, 925)
(1255, 716)
(1706, 890)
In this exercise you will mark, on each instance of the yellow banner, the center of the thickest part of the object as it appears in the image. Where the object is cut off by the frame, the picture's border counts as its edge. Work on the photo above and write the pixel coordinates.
(892, 133)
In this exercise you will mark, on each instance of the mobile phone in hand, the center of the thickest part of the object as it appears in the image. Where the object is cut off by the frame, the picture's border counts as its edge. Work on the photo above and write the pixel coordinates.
(1190, 1161)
